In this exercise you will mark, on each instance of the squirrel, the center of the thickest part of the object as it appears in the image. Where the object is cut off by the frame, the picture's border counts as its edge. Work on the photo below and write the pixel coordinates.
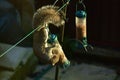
(46, 51)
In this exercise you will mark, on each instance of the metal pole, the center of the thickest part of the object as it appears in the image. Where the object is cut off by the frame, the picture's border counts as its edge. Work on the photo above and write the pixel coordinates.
(57, 73)
(57, 66)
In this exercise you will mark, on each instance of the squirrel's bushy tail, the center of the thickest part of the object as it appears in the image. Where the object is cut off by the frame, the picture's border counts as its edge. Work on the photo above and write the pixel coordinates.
(48, 14)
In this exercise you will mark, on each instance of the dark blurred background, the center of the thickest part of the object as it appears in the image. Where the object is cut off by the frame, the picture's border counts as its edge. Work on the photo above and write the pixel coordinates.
(102, 21)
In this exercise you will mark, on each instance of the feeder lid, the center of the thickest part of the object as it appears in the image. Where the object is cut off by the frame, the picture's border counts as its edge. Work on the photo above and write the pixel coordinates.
(80, 14)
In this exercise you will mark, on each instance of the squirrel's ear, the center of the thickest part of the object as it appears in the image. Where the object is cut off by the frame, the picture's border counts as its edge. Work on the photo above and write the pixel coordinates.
(33, 25)
(34, 21)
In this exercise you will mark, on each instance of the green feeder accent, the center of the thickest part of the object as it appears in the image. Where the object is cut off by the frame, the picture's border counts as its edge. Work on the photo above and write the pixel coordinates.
(81, 14)
(65, 65)
(52, 38)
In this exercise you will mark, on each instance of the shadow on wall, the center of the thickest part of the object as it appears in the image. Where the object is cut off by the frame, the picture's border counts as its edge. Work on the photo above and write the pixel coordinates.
(15, 22)
(103, 22)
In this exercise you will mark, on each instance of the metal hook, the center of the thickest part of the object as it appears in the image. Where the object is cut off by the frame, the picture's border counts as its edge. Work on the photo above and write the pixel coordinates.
(55, 2)
(80, 2)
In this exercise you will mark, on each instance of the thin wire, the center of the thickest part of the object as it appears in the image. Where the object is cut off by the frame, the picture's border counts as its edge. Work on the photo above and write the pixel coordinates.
(18, 42)
(55, 2)
(64, 5)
